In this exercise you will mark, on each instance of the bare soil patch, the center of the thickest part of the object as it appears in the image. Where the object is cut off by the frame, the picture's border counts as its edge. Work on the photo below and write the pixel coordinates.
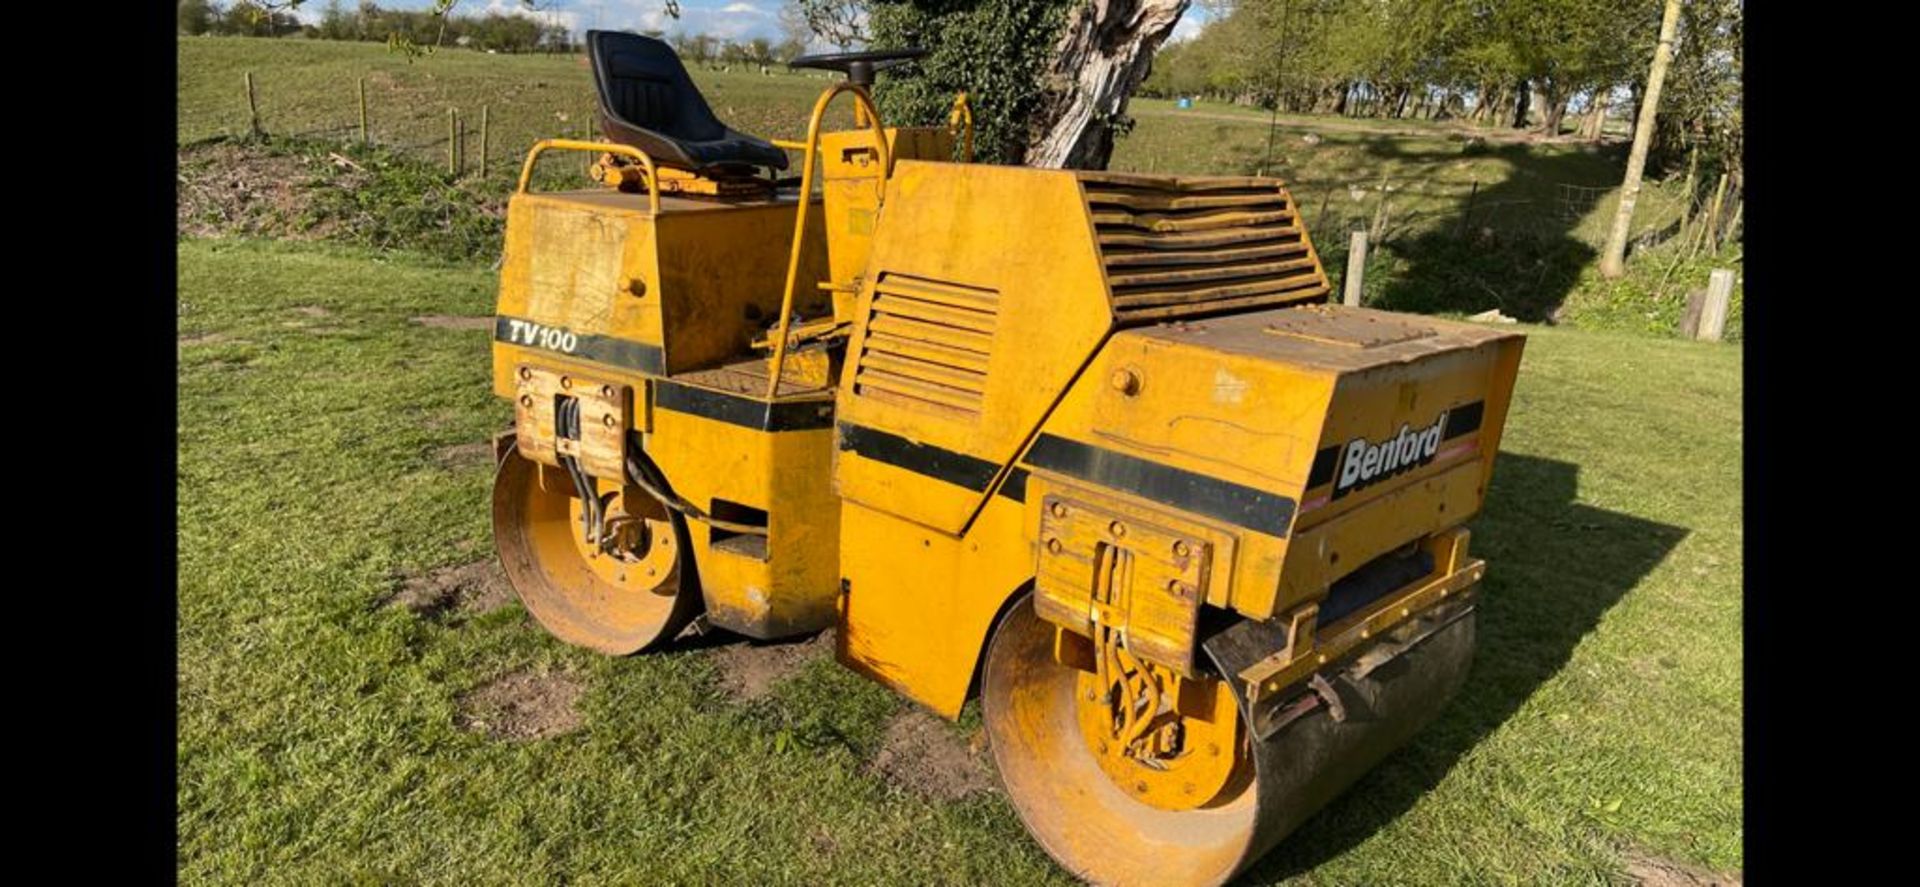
(749, 670)
(228, 188)
(1652, 871)
(471, 589)
(464, 455)
(203, 339)
(926, 755)
(523, 705)
(454, 322)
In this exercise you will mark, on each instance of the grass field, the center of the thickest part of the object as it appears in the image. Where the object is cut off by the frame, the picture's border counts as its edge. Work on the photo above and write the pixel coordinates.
(331, 461)
(1459, 226)
(309, 87)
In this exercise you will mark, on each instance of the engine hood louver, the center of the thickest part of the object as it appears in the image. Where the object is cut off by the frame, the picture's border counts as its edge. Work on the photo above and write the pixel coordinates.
(1175, 246)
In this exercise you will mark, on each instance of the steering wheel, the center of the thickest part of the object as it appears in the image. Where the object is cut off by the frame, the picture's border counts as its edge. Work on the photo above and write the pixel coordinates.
(859, 66)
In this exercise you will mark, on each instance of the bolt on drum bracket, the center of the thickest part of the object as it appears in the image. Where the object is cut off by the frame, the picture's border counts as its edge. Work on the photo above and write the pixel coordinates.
(606, 414)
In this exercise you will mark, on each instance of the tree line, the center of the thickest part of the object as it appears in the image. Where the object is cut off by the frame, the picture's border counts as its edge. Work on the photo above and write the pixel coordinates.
(370, 22)
(493, 31)
(1547, 65)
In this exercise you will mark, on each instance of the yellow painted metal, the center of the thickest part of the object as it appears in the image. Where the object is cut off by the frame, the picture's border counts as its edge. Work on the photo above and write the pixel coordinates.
(1107, 831)
(1243, 399)
(1105, 565)
(1188, 747)
(979, 342)
(544, 145)
(589, 263)
(960, 119)
(615, 605)
(919, 603)
(606, 415)
(778, 585)
(1454, 572)
(963, 388)
(850, 189)
(861, 101)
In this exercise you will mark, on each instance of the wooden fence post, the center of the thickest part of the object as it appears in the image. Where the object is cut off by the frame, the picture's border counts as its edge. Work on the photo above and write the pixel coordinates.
(1690, 317)
(1713, 314)
(1356, 267)
(363, 112)
(1708, 231)
(253, 108)
(452, 141)
(1379, 228)
(483, 141)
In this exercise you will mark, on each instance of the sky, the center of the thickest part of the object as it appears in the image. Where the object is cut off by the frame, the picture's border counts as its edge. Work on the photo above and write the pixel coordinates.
(727, 19)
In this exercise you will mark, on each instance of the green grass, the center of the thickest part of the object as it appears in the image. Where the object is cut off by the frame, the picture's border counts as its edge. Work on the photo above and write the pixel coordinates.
(317, 738)
(308, 87)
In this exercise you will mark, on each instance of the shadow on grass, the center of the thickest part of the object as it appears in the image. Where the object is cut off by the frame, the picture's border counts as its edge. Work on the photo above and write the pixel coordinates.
(1449, 247)
(1554, 567)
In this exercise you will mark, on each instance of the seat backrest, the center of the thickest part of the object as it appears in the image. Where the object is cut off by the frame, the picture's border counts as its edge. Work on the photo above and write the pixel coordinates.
(642, 84)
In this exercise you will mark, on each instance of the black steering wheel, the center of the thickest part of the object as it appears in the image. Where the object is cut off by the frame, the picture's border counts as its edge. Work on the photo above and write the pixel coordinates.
(859, 66)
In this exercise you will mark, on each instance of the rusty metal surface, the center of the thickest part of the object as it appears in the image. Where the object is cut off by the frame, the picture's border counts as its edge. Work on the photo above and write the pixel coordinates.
(1336, 338)
(606, 414)
(1099, 567)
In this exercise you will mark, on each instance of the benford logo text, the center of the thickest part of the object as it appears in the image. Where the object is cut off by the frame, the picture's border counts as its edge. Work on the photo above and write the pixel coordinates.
(1363, 462)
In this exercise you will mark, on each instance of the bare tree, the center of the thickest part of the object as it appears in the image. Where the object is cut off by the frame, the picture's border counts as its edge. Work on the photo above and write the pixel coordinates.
(1106, 51)
(1613, 260)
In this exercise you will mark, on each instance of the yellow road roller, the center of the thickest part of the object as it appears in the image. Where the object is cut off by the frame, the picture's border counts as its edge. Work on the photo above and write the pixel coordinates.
(1092, 447)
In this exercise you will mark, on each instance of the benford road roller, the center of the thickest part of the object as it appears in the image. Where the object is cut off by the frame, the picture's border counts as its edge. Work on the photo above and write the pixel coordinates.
(1093, 448)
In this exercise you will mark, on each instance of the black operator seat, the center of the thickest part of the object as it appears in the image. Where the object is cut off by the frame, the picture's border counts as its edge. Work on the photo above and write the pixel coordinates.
(648, 101)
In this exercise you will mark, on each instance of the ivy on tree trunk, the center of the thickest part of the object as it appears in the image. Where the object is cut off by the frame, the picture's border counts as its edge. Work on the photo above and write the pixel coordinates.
(1048, 79)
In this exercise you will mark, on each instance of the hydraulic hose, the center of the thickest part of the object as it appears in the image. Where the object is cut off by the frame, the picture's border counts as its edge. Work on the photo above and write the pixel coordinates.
(645, 475)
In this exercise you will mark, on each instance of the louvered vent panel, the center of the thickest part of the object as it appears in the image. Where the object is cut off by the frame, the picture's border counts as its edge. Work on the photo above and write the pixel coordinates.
(1181, 245)
(927, 345)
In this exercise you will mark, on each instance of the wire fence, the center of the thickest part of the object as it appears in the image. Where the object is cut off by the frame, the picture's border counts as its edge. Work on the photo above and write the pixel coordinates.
(489, 141)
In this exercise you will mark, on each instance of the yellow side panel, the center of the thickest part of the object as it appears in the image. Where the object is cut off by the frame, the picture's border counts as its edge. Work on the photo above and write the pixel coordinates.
(998, 299)
(785, 473)
(722, 277)
(1336, 547)
(919, 603)
(572, 263)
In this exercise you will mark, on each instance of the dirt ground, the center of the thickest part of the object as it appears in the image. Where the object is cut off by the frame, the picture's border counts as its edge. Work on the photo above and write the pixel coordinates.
(454, 322)
(1651, 871)
(748, 670)
(466, 589)
(230, 189)
(464, 455)
(928, 756)
(523, 705)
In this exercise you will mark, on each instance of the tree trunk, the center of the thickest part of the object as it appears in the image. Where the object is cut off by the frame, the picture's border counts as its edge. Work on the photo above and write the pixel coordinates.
(1340, 99)
(1613, 260)
(1106, 51)
(1400, 108)
(1596, 122)
(1556, 114)
(1638, 91)
(1522, 102)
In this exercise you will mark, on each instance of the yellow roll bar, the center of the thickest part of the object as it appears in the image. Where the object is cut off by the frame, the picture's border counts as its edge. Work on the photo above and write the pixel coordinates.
(962, 115)
(646, 163)
(812, 148)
